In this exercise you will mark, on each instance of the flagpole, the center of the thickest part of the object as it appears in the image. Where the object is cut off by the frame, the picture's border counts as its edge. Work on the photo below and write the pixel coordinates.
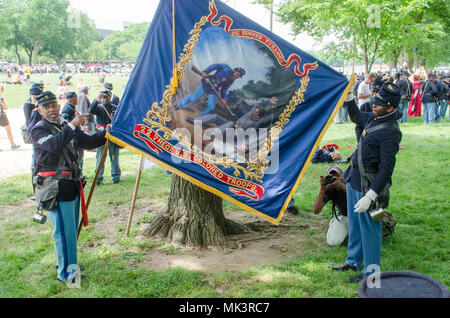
(271, 15)
(91, 193)
(133, 201)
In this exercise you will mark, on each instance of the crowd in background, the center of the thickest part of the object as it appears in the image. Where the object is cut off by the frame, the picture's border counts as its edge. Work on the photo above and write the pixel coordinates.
(423, 95)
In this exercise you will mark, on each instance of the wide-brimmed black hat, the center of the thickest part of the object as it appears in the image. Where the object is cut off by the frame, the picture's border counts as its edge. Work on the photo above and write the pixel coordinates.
(46, 98)
(389, 95)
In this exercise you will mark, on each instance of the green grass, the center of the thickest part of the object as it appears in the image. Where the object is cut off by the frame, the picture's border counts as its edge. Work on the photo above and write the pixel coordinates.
(420, 201)
(16, 95)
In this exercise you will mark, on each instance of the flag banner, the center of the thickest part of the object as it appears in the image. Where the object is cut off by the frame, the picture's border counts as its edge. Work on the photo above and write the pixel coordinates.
(236, 110)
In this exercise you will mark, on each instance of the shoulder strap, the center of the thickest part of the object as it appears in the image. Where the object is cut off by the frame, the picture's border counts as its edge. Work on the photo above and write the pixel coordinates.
(107, 113)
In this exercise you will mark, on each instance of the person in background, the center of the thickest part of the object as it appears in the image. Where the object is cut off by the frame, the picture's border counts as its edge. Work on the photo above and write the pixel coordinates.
(415, 104)
(4, 122)
(69, 110)
(323, 155)
(364, 91)
(406, 89)
(84, 105)
(443, 95)
(430, 93)
(104, 111)
(115, 100)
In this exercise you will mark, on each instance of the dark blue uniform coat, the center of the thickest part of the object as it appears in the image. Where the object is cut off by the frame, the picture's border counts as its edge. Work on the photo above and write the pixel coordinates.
(378, 149)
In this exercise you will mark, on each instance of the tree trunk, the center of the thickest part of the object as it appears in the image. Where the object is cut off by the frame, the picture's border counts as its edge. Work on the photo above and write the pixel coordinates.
(194, 218)
(19, 59)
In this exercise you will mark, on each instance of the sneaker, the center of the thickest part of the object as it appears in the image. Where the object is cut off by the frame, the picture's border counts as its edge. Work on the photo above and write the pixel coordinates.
(116, 182)
(33, 198)
(14, 147)
(99, 182)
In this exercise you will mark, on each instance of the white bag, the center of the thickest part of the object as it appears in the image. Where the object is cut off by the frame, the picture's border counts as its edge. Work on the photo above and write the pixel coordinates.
(337, 231)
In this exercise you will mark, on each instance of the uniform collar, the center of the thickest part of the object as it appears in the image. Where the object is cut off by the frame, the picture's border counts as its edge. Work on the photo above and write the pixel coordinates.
(386, 117)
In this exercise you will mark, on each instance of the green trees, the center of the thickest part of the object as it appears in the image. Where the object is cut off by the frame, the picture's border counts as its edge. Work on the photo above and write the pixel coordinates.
(125, 45)
(370, 29)
(49, 28)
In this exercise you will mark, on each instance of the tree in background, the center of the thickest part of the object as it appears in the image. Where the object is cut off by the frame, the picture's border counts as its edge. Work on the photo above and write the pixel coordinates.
(125, 45)
(370, 29)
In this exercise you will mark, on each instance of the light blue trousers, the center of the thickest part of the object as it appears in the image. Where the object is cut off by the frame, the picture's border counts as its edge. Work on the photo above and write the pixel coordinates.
(199, 92)
(404, 108)
(443, 110)
(113, 150)
(429, 113)
(364, 236)
(65, 223)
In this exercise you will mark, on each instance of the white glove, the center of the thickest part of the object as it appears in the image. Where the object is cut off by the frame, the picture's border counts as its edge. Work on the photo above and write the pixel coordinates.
(350, 97)
(364, 204)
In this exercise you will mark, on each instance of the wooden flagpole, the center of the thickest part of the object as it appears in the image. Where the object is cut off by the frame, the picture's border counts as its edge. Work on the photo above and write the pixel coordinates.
(133, 201)
(91, 193)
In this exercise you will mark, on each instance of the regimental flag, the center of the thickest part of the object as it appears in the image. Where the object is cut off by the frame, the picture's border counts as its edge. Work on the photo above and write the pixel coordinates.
(242, 115)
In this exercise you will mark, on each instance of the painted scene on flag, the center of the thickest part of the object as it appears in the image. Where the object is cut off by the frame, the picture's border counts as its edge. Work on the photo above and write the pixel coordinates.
(248, 111)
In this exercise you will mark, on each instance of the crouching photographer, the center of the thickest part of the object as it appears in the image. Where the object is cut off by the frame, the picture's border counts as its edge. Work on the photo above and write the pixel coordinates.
(333, 188)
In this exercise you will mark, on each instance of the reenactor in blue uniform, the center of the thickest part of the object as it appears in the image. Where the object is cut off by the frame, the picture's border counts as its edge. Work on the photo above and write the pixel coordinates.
(115, 100)
(215, 86)
(369, 179)
(31, 103)
(104, 111)
(57, 177)
(406, 91)
(442, 98)
(69, 110)
(430, 93)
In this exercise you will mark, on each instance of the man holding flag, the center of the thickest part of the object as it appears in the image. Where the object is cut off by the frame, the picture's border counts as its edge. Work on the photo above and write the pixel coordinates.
(59, 189)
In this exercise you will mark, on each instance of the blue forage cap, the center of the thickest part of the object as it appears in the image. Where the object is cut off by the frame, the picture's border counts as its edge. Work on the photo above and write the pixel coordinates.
(70, 95)
(36, 89)
(46, 98)
(389, 95)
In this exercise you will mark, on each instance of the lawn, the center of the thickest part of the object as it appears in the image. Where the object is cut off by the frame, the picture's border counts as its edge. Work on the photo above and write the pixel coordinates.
(420, 201)
(16, 95)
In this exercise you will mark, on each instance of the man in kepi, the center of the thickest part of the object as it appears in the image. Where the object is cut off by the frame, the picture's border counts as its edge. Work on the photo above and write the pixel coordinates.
(57, 177)
(104, 111)
(368, 179)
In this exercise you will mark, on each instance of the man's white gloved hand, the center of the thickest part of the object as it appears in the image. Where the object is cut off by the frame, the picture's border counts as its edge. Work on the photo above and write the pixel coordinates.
(350, 97)
(364, 204)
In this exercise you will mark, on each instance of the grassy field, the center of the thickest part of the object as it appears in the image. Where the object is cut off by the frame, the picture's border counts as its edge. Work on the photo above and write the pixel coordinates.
(420, 201)
(16, 95)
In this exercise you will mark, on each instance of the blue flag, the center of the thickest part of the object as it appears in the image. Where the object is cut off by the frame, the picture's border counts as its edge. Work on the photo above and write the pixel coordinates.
(226, 104)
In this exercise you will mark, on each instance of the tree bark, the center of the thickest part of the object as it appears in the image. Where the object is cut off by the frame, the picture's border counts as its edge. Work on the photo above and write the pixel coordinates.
(194, 218)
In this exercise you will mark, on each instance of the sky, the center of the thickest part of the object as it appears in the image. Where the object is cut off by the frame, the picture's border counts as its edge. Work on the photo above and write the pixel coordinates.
(110, 15)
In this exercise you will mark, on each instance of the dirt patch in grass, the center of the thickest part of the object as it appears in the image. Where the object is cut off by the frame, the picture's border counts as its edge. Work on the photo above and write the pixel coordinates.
(267, 245)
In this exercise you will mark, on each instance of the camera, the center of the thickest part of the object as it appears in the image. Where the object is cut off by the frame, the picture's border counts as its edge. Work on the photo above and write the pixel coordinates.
(329, 179)
(331, 149)
(40, 218)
